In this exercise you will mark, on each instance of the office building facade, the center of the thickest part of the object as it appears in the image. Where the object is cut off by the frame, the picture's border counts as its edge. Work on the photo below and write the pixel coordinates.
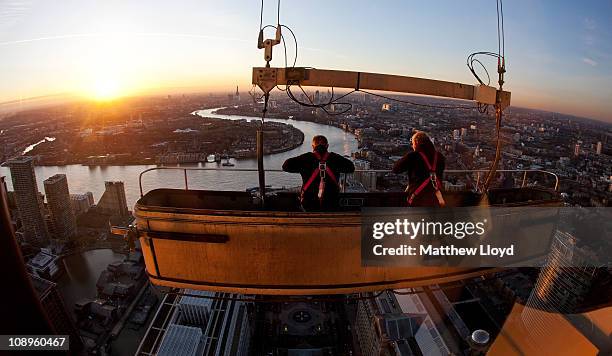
(29, 203)
(60, 207)
(561, 286)
(55, 308)
(209, 323)
(397, 325)
(113, 200)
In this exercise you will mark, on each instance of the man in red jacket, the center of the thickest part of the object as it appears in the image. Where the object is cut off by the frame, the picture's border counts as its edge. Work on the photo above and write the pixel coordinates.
(320, 171)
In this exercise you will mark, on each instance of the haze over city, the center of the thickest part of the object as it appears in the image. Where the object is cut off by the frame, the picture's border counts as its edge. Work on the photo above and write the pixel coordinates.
(401, 178)
(558, 52)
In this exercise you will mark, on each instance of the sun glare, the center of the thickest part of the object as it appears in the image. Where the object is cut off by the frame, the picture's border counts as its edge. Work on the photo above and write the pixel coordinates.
(105, 89)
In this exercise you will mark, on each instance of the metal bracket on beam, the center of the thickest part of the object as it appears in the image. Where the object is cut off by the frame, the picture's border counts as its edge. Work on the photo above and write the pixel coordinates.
(503, 98)
(265, 78)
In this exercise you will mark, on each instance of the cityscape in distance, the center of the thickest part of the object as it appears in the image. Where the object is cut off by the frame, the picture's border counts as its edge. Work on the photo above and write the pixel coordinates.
(103, 194)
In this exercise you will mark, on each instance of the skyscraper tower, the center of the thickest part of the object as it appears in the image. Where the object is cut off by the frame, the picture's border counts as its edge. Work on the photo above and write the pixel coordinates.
(565, 278)
(58, 198)
(113, 200)
(561, 286)
(577, 149)
(53, 303)
(599, 147)
(237, 96)
(29, 205)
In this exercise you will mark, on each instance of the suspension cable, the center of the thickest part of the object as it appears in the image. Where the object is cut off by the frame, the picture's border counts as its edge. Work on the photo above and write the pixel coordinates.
(261, 15)
(501, 69)
(492, 171)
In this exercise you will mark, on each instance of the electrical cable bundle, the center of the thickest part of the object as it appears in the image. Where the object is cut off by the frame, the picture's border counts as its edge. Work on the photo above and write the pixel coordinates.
(472, 60)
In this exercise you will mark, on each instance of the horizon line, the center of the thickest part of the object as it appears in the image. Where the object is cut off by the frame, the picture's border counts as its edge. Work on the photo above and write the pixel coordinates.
(154, 92)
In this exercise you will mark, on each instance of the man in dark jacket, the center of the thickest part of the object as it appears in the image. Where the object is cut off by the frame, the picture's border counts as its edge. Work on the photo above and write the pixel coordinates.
(320, 171)
(425, 167)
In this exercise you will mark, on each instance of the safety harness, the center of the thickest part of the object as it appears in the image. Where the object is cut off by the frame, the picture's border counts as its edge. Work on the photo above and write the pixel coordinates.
(433, 179)
(322, 172)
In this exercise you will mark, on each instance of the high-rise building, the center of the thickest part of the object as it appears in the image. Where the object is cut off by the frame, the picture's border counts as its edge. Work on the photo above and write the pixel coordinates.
(599, 147)
(58, 199)
(367, 179)
(81, 202)
(195, 309)
(27, 197)
(202, 322)
(113, 200)
(46, 264)
(577, 149)
(364, 99)
(181, 340)
(397, 325)
(561, 286)
(237, 95)
(55, 308)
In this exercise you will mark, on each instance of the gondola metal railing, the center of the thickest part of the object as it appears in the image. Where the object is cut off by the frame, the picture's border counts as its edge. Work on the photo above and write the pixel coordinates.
(478, 172)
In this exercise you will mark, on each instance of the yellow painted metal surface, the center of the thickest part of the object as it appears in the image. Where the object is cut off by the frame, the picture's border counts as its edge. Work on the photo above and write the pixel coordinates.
(272, 255)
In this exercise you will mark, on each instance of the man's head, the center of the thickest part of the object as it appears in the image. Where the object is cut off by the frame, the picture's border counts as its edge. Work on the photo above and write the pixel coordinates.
(319, 144)
(419, 139)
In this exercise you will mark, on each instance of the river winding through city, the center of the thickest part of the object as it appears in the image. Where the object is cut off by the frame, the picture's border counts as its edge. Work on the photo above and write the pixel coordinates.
(82, 178)
(83, 269)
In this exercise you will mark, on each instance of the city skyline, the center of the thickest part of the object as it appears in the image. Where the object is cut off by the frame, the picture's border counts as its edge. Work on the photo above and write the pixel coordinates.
(110, 49)
(112, 299)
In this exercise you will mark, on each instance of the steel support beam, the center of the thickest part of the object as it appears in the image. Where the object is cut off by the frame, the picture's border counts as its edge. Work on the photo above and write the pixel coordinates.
(268, 78)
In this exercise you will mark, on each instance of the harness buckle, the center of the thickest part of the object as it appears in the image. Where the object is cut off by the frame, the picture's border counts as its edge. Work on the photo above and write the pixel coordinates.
(433, 179)
(322, 169)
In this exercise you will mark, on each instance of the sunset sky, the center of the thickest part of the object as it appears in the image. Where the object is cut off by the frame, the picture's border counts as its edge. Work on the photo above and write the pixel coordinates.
(559, 53)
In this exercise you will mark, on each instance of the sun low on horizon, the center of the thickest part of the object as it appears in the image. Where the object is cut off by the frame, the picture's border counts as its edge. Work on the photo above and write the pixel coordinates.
(105, 89)
(107, 71)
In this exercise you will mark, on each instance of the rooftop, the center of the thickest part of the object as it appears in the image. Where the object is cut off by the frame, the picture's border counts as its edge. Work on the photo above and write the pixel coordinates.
(180, 340)
(42, 286)
(20, 160)
(42, 259)
(55, 178)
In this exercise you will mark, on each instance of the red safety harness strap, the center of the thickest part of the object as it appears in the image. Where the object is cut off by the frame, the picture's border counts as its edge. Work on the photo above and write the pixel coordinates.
(432, 178)
(317, 171)
(314, 176)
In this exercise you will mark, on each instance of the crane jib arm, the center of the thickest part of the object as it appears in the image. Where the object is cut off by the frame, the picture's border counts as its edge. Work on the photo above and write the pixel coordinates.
(268, 78)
